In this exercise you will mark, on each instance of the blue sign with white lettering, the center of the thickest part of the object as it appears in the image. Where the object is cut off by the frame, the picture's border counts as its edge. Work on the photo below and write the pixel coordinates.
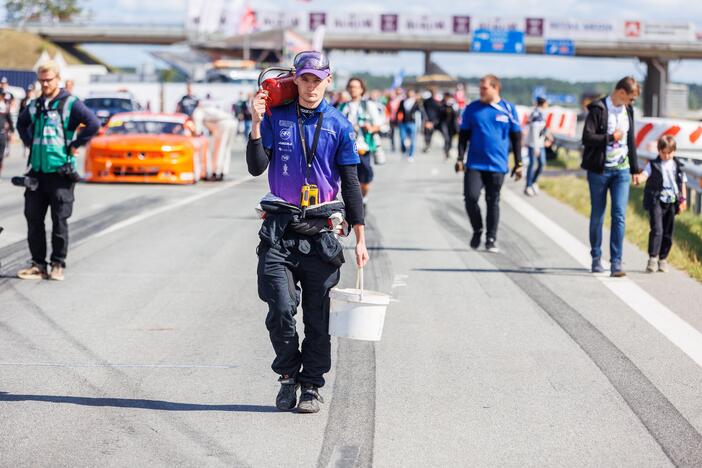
(562, 99)
(497, 41)
(559, 47)
(557, 99)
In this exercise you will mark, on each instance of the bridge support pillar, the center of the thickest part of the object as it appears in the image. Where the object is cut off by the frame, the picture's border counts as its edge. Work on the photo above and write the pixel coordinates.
(427, 62)
(655, 87)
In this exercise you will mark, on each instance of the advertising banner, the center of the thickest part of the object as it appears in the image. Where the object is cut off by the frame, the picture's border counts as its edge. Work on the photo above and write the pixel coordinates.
(658, 32)
(502, 23)
(349, 22)
(276, 19)
(597, 30)
(425, 25)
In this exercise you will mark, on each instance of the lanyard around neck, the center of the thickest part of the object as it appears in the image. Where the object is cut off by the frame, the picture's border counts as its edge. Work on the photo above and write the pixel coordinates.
(309, 156)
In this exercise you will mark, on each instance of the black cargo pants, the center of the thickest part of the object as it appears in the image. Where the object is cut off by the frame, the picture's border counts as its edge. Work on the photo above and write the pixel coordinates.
(288, 272)
(56, 192)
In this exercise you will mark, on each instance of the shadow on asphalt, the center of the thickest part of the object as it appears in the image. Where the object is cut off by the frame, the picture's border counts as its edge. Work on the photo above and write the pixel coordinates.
(409, 249)
(527, 271)
(159, 405)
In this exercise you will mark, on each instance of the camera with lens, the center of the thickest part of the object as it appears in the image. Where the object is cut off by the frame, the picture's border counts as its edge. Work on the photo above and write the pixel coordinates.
(28, 182)
(68, 171)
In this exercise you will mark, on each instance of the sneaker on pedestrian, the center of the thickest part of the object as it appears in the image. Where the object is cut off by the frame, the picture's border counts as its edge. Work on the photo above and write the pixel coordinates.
(410, 159)
(529, 191)
(535, 188)
(56, 272)
(309, 399)
(475, 240)
(287, 395)
(597, 265)
(663, 265)
(652, 265)
(491, 245)
(616, 271)
(34, 272)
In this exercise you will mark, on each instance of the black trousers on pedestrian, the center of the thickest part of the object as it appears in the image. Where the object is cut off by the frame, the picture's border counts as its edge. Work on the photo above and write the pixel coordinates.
(286, 276)
(473, 182)
(448, 137)
(56, 192)
(660, 238)
(428, 134)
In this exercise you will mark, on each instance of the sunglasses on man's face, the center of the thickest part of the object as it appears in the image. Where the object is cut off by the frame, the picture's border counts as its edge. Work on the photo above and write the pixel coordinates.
(46, 80)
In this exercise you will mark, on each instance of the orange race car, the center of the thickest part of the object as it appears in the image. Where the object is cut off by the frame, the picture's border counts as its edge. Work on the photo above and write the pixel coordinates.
(148, 148)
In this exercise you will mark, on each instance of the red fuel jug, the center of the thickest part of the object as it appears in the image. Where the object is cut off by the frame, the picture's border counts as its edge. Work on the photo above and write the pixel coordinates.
(281, 88)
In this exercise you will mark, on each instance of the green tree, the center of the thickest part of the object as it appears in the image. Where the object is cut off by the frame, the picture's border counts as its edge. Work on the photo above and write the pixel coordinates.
(19, 12)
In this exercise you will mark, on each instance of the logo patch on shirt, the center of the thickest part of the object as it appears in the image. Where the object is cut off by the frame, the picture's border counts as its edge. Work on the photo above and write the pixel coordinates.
(285, 123)
(329, 130)
(502, 118)
(286, 133)
(352, 136)
(285, 170)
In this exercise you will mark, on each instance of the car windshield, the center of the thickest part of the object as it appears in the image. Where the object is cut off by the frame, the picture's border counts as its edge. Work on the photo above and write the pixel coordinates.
(149, 127)
(109, 103)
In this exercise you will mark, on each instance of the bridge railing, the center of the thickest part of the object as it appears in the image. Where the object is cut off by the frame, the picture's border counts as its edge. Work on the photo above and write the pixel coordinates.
(691, 161)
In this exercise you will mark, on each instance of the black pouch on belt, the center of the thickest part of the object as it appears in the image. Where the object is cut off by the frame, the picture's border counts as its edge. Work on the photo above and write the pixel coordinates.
(330, 249)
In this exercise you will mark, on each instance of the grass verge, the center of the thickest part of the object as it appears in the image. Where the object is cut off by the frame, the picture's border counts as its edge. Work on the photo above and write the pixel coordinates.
(686, 253)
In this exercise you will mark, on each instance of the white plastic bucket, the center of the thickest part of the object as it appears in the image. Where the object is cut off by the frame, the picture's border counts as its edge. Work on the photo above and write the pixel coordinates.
(357, 313)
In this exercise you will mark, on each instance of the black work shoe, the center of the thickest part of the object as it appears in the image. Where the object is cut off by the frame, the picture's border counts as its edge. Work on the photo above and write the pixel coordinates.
(475, 240)
(491, 245)
(287, 395)
(309, 399)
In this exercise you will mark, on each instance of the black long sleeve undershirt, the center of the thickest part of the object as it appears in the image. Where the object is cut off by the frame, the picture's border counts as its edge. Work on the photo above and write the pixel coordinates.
(463, 137)
(351, 194)
(257, 159)
(515, 139)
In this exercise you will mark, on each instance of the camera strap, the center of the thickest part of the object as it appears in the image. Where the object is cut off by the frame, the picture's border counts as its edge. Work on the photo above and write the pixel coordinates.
(309, 156)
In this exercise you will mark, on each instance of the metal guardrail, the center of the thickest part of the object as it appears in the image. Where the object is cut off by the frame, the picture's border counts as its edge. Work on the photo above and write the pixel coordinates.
(692, 166)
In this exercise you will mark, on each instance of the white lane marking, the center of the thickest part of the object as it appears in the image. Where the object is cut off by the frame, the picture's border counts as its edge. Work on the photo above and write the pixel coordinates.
(678, 331)
(399, 281)
(171, 206)
(149, 366)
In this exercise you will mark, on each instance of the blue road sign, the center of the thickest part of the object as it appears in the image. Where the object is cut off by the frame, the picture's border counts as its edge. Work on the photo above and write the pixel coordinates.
(497, 41)
(559, 47)
(539, 91)
(556, 99)
(562, 99)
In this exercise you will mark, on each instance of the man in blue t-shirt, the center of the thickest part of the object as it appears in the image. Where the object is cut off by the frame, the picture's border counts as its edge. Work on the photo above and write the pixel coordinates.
(491, 125)
(305, 144)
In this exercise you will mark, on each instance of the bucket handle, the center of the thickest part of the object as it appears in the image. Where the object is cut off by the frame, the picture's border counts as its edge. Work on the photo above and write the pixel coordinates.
(359, 281)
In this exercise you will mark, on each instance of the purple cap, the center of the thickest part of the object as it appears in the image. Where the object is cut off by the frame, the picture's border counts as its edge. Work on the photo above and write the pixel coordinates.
(313, 62)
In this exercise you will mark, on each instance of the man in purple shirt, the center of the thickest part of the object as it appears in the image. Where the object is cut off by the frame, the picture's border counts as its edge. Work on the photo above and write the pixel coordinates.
(305, 144)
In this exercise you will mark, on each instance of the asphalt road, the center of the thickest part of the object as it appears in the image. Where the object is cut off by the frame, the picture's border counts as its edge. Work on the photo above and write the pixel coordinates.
(154, 352)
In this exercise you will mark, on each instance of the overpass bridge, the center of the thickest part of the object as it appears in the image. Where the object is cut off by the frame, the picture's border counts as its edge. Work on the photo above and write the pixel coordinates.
(655, 54)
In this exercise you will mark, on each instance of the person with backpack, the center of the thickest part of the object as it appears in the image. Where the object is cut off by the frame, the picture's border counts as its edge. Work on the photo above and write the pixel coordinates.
(491, 125)
(48, 126)
(410, 114)
(538, 139)
(6, 130)
(448, 122)
(365, 118)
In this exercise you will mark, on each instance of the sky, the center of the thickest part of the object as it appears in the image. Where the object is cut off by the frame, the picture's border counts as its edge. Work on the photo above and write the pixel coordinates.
(464, 64)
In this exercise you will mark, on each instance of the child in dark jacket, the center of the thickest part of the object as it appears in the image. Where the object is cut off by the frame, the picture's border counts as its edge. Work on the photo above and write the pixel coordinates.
(664, 197)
